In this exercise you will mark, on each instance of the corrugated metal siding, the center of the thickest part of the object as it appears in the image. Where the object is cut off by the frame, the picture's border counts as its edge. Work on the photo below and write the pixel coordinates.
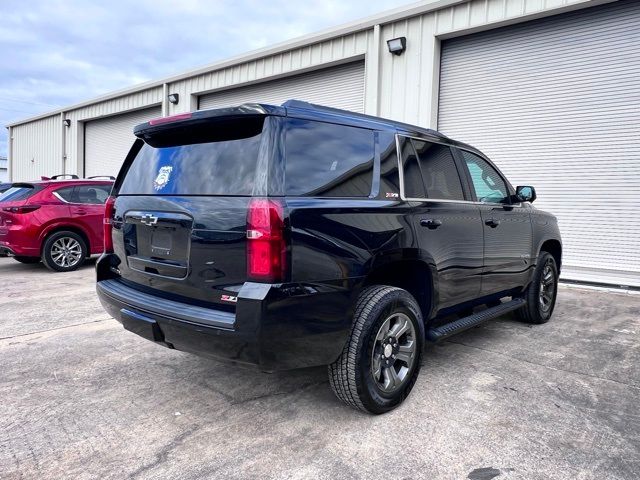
(74, 135)
(340, 87)
(409, 83)
(108, 140)
(37, 149)
(285, 63)
(401, 88)
(556, 103)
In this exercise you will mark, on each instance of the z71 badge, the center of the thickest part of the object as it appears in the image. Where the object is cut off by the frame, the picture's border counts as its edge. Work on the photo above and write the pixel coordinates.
(163, 178)
(229, 298)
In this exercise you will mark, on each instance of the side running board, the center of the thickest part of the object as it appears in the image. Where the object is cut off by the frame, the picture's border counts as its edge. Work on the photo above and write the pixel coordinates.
(439, 333)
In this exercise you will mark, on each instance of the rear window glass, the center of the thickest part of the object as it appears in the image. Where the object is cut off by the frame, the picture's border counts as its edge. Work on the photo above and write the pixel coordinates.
(21, 192)
(328, 160)
(204, 160)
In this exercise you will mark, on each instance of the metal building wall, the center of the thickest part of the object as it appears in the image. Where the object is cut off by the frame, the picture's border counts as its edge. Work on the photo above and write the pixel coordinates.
(409, 83)
(75, 133)
(341, 86)
(37, 148)
(555, 104)
(310, 57)
(399, 87)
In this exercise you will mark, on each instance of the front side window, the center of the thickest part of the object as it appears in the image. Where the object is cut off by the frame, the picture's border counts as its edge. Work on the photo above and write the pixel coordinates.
(328, 160)
(429, 171)
(487, 182)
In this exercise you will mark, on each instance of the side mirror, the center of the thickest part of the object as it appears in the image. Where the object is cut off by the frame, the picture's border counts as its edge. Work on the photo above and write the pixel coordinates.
(526, 193)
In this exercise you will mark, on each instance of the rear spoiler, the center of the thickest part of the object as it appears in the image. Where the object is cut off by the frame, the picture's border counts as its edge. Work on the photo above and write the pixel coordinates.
(244, 110)
(109, 177)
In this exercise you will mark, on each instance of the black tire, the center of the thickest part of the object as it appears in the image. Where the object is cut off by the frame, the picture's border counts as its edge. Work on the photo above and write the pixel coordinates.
(27, 259)
(52, 243)
(351, 376)
(536, 310)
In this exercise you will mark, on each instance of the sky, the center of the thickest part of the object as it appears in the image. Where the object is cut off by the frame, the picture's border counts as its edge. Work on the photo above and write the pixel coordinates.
(57, 53)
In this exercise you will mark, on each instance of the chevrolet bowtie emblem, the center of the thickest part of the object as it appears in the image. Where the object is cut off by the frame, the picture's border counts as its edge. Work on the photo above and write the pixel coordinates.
(148, 219)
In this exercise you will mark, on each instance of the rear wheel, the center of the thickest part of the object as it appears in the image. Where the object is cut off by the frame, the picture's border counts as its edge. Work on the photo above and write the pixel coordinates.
(64, 251)
(541, 292)
(27, 259)
(380, 363)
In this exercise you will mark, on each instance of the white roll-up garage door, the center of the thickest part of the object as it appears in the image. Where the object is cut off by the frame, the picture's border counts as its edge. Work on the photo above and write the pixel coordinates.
(339, 87)
(108, 140)
(556, 104)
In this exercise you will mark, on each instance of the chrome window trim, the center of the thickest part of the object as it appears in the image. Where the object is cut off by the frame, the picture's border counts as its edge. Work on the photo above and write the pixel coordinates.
(443, 200)
(59, 197)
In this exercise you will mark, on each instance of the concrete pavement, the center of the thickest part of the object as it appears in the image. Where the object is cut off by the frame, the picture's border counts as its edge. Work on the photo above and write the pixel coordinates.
(82, 398)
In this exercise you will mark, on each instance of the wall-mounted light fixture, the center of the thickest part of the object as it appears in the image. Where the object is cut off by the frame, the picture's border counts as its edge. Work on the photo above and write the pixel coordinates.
(174, 98)
(397, 45)
(67, 122)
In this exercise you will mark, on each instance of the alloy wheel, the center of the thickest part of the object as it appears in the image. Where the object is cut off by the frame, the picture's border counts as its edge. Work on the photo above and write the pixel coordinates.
(66, 252)
(394, 352)
(547, 287)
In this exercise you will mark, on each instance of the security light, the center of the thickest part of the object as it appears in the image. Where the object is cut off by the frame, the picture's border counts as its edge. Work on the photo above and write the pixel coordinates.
(67, 122)
(397, 45)
(174, 98)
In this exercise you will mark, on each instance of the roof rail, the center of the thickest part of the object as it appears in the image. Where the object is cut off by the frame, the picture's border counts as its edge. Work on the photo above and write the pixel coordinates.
(62, 175)
(102, 176)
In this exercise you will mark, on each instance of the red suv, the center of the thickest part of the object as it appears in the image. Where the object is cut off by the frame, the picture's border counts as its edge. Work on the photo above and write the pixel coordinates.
(56, 221)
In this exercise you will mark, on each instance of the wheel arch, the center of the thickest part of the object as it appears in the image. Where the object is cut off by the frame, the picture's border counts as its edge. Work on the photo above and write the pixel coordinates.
(411, 274)
(66, 228)
(553, 247)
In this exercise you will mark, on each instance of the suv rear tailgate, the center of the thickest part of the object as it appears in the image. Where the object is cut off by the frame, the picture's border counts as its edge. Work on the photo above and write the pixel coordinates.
(180, 212)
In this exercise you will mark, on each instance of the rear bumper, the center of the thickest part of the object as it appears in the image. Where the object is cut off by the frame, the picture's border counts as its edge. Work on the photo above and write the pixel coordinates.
(275, 327)
(15, 240)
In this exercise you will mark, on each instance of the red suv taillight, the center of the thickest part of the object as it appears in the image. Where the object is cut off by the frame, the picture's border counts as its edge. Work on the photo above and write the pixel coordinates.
(266, 244)
(107, 224)
(23, 209)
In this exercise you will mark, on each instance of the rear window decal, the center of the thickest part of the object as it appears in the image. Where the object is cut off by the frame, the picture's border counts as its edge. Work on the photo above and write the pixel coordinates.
(163, 177)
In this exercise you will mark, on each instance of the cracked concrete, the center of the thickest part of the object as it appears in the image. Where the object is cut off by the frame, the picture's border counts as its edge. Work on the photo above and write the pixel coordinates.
(82, 398)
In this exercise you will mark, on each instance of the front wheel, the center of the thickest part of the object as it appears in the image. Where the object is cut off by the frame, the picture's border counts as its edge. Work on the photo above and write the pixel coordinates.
(542, 291)
(381, 360)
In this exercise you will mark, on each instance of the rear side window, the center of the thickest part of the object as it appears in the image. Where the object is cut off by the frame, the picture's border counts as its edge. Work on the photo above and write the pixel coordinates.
(92, 194)
(328, 160)
(66, 194)
(429, 171)
(439, 171)
(411, 171)
(209, 159)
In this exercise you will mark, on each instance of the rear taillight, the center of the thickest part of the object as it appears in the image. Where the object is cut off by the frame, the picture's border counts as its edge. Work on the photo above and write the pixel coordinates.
(23, 209)
(107, 224)
(266, 243)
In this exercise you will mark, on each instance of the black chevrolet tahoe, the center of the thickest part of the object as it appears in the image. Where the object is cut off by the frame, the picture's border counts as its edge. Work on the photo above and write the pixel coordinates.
(292, 236)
